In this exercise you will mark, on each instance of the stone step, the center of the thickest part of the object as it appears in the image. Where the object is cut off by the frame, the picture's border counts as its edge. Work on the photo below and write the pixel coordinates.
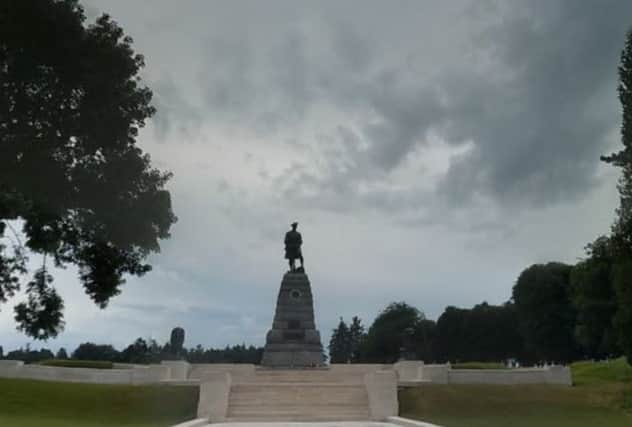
(297, 401)
(273, 377)
(342, 379)
(298, 418)
(253, 400)
(261, 406)
(298, 389)
(300, 414)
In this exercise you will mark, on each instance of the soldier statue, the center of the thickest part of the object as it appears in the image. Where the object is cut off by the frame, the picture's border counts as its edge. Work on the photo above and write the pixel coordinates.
(293, 242)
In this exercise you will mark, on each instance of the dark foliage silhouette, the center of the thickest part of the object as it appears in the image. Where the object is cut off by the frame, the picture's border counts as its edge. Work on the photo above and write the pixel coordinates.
(71, 106)
(621, 238)
(546, 317)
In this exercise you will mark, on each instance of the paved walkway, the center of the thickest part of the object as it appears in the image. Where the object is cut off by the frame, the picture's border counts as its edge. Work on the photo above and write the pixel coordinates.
(397, 422)
(306, 424)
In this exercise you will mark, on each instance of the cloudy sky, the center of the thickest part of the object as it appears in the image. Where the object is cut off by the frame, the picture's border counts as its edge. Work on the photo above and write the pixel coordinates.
(430, 151)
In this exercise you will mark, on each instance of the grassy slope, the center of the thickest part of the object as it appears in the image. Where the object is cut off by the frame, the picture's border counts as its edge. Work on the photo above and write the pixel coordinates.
(28, 403)
(602, 396)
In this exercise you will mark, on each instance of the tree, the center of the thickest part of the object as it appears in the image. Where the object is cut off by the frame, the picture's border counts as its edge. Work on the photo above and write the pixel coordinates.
(451, 334)
(622, 227)
(61, 354)
(340, 344)
(91, 351)
(484, 333)
(426, 340)
(384, 339)
(71, 106)
(594, 298)
(30, 356)
(137, 352)
(546, 317)
(622, 277)
(196, 355)
(357, 336)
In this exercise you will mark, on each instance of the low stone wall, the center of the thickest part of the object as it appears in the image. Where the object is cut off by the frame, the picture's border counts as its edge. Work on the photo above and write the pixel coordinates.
(137, 374)
(416, 372)
(409, 373)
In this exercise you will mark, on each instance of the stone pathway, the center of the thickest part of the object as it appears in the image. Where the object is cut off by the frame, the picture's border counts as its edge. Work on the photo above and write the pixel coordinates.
(396, 422)
(305, 424)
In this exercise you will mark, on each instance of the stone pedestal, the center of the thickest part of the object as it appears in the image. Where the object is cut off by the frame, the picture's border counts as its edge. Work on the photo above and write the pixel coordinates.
(293, 340)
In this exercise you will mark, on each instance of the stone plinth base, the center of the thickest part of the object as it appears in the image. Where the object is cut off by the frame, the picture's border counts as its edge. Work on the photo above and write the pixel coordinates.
(293, 340)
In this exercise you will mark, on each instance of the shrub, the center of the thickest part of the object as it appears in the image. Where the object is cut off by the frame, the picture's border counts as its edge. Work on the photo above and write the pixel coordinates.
(94, 364)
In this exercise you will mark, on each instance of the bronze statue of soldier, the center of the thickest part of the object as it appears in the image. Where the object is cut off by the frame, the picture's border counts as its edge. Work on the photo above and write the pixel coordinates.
(293, 242)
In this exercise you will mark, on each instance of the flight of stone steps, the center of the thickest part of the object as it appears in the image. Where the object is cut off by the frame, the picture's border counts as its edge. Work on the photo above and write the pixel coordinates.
(299, 395)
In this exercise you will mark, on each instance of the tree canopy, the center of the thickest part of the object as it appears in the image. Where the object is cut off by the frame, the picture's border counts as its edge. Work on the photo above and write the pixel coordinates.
(384, 339)
(545, 315)
(71, 106)
(622, 228)
(593, 297)
(340, 344)
(484, 333)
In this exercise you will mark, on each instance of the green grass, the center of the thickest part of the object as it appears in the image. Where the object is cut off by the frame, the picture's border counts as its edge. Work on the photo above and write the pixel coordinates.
(478, 365)
(29, 403)
(614, 371)
(69, 363)
(602, 396)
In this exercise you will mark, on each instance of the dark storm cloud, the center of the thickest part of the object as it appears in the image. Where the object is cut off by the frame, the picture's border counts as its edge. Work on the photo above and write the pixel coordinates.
(540, 131)
(535, 94)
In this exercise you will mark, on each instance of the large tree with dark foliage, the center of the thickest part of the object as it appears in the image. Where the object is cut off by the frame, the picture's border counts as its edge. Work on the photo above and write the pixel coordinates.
(622, 229)
(485, 333)
(593, 296)
(385, 337)
(71, 106)
(357, 335)
(91, 351)
(346, 341)
(340, 343)
(546, 317)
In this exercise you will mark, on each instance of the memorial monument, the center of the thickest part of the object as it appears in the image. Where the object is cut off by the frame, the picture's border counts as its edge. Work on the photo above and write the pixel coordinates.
(293, 340)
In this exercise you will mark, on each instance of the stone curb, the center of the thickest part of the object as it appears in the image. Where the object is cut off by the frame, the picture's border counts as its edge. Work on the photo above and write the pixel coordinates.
(407, 422)
(198, 422)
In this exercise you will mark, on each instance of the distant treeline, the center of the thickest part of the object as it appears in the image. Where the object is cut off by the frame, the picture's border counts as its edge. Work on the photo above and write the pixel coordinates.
(142, 351)
(557, 313)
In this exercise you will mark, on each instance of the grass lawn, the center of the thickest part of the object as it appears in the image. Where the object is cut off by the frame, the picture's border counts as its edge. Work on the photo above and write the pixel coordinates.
(29, 403)
(602, 396)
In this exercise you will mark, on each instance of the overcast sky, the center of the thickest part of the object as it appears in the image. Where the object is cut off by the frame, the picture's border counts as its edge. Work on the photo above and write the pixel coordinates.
(429, 150)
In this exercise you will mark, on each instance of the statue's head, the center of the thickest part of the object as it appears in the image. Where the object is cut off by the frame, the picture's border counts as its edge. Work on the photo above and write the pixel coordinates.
(294, 225)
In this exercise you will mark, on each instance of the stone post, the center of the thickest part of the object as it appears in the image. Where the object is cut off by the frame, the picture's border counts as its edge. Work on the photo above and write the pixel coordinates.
(381, 386)
(214, 391)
